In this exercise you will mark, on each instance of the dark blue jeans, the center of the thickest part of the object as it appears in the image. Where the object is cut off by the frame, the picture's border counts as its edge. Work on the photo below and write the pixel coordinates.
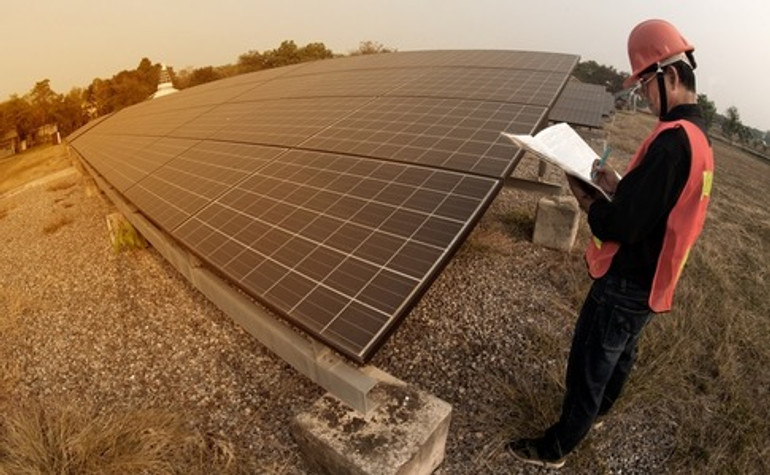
(600, 360)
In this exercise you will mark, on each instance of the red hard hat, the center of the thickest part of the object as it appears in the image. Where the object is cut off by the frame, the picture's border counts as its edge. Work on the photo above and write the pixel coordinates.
(650, 43)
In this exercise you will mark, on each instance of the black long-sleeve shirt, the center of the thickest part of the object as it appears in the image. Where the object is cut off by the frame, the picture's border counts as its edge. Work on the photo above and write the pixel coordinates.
(637, 215)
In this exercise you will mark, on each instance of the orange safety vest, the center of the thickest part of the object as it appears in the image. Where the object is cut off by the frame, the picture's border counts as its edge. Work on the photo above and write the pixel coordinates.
(684, 223)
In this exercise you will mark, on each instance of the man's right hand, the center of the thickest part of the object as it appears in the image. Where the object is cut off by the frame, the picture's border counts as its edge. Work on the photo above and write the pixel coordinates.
(605, 177)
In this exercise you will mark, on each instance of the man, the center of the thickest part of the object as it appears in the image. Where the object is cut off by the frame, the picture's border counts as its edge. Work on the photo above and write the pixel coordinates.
(640, 241)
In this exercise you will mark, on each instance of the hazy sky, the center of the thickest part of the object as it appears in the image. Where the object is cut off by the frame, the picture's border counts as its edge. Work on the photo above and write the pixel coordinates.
(71, 42)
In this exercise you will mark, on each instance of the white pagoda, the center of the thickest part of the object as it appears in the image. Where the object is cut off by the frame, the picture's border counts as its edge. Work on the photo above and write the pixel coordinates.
(165, 87)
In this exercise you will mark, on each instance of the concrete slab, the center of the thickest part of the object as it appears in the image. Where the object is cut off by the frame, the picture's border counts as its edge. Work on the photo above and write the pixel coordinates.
(405, 434)
(556, 222)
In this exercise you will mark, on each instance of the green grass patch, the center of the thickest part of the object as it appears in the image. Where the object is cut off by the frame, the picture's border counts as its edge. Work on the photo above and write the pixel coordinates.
(124, 235)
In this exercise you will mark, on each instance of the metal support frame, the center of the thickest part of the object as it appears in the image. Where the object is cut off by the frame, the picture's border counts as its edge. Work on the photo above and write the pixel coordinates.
(543, 187)
(320, 364)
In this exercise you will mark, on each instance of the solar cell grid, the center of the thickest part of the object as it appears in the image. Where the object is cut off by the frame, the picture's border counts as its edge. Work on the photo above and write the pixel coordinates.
(114, 157)
(333, 191)
(195, 177)
(524, 87)
(325, 239)
(356, 327)
(446, 133)
(277, 123)
(582, 104)
(368, 83)
(160, 123)
(168, 205)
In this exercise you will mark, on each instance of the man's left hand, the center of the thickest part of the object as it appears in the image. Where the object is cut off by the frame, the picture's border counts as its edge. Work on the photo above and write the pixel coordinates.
(582, 192)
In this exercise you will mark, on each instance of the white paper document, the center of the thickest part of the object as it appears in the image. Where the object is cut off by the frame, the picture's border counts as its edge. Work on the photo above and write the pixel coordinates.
(561, 145)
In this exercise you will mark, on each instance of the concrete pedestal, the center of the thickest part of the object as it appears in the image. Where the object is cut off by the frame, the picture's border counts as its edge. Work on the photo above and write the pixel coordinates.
(556, 222)
(404, 434)
(123, 235)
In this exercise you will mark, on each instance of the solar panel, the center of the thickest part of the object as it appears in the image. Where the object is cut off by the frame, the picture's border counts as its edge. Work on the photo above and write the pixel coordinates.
(582, 104)
(332, 192)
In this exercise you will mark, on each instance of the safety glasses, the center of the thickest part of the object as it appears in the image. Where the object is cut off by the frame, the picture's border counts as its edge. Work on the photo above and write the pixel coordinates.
(644, 81)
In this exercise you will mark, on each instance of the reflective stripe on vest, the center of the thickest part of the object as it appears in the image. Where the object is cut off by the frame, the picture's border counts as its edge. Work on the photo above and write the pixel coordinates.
(684, 222)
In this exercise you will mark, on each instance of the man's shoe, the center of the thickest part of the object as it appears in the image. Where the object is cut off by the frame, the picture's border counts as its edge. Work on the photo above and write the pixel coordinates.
(526, 451)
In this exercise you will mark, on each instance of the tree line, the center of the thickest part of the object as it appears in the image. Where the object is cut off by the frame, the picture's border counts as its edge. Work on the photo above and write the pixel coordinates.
(26, 114)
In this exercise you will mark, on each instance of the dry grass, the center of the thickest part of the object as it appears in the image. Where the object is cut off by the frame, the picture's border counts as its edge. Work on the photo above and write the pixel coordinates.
(57, 223)
(5, 210)
(519, 223)
(708, 361)
(12, 304)
(62, 185)
(35, 439)
(31, 165)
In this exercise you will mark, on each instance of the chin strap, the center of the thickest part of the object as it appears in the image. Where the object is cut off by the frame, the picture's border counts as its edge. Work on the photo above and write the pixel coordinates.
(662, 93)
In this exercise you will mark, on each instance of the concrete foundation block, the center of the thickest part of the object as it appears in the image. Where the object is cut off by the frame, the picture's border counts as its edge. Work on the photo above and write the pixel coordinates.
(123, 235)
(556, 222)
(404, 434)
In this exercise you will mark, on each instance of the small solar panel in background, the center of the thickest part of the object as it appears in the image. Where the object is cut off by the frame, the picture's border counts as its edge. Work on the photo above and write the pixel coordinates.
(582, 104)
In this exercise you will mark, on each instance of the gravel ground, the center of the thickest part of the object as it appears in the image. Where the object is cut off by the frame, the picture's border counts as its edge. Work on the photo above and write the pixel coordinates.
(120, 332)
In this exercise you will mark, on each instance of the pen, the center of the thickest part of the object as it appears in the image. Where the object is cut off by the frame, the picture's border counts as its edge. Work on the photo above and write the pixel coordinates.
(602, 160)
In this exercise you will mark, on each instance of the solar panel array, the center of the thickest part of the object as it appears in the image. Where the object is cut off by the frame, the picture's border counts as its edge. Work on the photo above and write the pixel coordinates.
(583, 104)
(332, 192)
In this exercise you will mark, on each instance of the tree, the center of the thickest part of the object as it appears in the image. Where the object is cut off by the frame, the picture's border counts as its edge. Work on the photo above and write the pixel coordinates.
(43, 106)
(98, 95)
(6, 123)
(591, 72)
(744, 134)
(287, 53)
(69, 113)
(147, 70)
(314, 52)
(371, 47)
(124, 89)
(202, 76)
(43, 100)
(250, 62)
(731, 126)
(708, 108)
(19, 116)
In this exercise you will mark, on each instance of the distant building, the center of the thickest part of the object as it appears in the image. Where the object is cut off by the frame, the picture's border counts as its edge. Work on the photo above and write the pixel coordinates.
(165, 87)
(9, 143)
